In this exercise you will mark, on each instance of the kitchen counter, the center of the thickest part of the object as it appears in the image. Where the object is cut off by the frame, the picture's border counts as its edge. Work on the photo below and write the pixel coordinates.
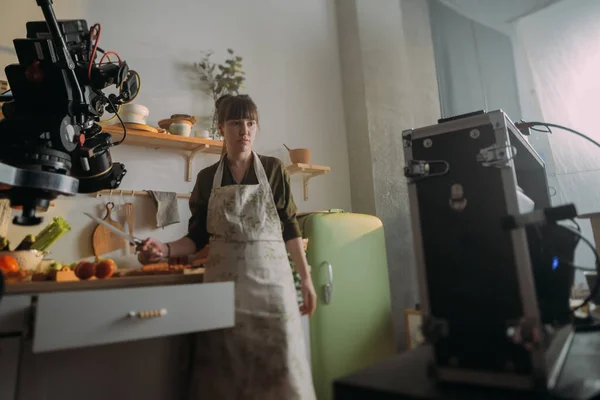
(118, 338)
(97, 284)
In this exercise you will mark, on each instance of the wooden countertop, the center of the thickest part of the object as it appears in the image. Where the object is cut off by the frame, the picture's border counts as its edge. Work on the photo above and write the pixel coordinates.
(100, 284)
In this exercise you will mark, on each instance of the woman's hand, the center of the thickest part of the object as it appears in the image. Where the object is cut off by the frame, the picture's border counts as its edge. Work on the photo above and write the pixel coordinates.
(309, 297)
(151, 251)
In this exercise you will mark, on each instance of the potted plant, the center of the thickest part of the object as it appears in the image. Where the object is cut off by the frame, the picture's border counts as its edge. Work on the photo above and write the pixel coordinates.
(220, 79)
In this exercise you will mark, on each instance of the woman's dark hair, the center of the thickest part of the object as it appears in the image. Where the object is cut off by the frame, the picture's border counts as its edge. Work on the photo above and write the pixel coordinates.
(228, 107)
(239, 106)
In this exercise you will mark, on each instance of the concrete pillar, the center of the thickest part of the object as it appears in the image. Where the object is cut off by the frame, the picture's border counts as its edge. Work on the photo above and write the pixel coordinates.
(389, 84)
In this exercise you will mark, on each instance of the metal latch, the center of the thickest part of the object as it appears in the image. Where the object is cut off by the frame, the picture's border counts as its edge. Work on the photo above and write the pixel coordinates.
(420, 169)
(496, 156)
(525, 332)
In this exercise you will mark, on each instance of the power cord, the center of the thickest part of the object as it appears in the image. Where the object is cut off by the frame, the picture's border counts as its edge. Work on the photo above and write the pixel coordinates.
(548, 125)
(122, 123)
(596, 288)
(112, 105)
(531, 125)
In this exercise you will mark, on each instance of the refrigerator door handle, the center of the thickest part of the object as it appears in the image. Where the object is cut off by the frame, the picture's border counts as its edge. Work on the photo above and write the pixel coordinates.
(328, 287)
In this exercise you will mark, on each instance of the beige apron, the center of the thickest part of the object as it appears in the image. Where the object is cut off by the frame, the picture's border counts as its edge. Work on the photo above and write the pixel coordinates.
(263, 356)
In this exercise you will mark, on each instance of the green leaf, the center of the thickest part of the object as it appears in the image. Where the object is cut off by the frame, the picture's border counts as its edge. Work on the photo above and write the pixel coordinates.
(238, 58)
(230, 51)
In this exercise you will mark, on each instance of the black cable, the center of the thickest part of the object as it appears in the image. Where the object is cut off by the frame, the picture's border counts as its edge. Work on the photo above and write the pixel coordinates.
(548, 130)
(596, 288)
(577, 267)
(549, 125)
(118, 116)
(576, 224)
(99, 93)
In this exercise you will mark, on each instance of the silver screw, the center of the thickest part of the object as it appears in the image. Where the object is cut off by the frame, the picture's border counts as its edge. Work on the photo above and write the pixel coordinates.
(510, 332)
(474, 133)
(427, 143)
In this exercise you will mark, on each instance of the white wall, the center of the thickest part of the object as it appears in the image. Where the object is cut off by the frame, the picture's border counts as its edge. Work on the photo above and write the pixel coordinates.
(389, 85)
(293, 73)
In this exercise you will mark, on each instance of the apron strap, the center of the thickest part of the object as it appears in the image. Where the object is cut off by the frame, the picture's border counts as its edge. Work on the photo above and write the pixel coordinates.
(218, 179)
(261, 175)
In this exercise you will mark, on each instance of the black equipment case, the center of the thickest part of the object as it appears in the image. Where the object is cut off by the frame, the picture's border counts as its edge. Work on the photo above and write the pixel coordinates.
(481, 311)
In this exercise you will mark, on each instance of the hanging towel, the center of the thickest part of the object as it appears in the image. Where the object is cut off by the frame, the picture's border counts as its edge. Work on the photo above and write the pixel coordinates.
(167, 211)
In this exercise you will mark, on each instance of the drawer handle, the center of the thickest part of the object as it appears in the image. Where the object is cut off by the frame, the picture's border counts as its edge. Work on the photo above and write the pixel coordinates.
(148, 314)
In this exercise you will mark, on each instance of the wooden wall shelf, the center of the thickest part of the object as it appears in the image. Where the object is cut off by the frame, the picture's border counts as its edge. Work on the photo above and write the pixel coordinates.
(191, 145)
(132, 193)
(308, 171)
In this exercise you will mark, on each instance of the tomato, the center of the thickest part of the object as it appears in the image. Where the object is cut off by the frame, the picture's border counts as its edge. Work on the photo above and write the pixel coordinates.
(8, 264)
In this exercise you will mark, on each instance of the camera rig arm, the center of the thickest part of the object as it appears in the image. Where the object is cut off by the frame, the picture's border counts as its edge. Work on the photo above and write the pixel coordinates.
(50, 141)
(64, 57)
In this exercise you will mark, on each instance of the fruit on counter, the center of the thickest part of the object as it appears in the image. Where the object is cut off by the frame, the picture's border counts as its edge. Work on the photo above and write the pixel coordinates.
(17, 276)
(4, 244)
(85, 270)
(50, 234)
(105, 269)
(8, 264)
(56, 266)
(26, 243)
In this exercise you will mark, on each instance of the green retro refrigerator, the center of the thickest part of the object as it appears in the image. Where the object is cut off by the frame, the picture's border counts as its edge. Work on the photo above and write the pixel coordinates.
(352, 326)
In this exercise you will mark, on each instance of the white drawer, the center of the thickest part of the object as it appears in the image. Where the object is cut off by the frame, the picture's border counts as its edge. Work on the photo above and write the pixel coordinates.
(78, 319)
(13, 311)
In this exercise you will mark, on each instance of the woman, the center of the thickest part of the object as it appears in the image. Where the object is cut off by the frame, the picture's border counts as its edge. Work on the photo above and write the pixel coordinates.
(243, 207)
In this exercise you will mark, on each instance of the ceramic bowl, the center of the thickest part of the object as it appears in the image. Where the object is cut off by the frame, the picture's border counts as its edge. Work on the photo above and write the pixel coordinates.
(27, 259)
(181, 128)
(134, 113)
(300, 156)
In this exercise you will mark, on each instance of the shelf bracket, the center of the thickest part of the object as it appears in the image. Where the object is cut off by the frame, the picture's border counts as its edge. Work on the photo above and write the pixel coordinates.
(307, 178)
(190, 161)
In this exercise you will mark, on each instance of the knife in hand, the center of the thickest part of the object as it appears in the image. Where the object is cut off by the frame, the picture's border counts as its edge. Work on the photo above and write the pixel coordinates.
(129, 238)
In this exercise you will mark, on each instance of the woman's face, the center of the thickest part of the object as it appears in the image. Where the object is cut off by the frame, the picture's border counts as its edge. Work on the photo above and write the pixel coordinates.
(239, 135)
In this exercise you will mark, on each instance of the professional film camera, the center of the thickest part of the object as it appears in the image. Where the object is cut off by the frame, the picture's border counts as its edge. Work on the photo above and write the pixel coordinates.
(495, 259)
(50, 141)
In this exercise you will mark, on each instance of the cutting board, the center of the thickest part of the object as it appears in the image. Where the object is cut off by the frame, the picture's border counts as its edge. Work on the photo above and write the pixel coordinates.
(5, 216)
(103, 240)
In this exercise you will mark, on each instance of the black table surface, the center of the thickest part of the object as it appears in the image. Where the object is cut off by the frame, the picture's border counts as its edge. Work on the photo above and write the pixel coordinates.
(404, 376)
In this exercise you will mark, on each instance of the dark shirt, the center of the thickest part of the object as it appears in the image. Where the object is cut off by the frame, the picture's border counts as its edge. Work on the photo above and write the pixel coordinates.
(279, 181)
